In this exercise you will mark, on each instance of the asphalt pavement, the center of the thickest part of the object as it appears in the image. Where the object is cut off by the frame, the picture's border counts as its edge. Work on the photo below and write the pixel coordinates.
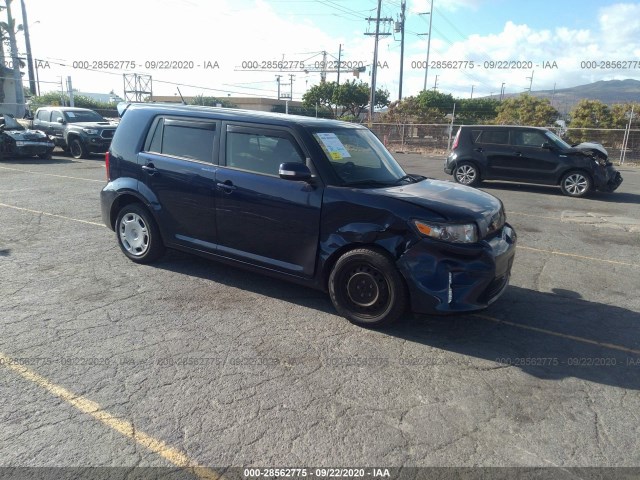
(187, 362)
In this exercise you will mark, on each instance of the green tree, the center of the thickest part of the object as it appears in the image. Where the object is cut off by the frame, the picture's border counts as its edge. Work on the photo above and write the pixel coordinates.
(526, 110)
(349, 99)
(321, 95)
(211, 102)
(590, 114)
(80, 101)
(620, 113)
(476, 111)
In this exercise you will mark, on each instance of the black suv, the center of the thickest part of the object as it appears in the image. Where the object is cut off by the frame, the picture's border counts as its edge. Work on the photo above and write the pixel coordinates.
(317, 202)
(531, 155)
(77, 130)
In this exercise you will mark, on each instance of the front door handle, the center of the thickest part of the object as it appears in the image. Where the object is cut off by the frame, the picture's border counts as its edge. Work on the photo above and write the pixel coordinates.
(226, 187)
(150, 168)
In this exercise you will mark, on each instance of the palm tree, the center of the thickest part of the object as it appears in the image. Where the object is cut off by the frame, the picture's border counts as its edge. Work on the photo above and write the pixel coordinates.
(11, 29)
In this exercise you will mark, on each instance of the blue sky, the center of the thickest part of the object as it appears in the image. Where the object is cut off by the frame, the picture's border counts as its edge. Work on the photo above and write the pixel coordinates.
(231, 32)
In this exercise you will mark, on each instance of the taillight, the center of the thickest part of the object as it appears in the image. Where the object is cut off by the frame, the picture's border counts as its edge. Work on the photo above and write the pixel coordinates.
(455, 140)
(106, 166)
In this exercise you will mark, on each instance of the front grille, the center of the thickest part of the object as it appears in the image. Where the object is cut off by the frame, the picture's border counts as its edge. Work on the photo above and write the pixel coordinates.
(107, 133)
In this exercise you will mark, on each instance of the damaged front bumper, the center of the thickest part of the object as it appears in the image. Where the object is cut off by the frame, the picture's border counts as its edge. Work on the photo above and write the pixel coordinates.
(608, 180)
(447, 278)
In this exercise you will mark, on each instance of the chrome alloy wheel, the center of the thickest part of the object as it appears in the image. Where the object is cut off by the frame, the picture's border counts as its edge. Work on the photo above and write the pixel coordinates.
(576, 184)
(134, 234)
(466, 174)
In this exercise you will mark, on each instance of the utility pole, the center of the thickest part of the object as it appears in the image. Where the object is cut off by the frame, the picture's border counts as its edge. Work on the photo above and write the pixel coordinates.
(70, 90)
(339, 59)
(27, 43)
(402, 17)
(531, 80)
(472, 91)
(374, 68)
(291, 77)
(435, 84)
(502, 92)
(278, 81)
(426, 69)
(323, 73)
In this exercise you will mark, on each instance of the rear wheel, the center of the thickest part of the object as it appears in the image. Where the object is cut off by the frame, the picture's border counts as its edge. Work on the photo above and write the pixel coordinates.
(138, 234)
(367, 289)
(576, 184)
(77, 148)
(467, 173)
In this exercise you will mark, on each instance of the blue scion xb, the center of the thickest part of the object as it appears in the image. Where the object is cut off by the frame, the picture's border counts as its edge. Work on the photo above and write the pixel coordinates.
(317, 202)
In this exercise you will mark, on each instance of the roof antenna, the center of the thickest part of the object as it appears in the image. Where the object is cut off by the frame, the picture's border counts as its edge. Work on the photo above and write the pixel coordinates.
(183, 102)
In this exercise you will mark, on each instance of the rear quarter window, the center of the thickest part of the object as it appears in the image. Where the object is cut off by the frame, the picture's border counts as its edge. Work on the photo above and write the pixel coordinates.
(495, 137)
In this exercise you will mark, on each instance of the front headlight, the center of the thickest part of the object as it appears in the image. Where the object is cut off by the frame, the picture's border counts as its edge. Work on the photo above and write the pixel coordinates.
(600, 161)
(90, 131)
(465, 233)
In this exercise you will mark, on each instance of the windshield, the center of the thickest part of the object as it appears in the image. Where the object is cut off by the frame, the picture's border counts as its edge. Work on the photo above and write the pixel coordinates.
(557, 141)
(10, 123)
(76, 116)
(358, 157)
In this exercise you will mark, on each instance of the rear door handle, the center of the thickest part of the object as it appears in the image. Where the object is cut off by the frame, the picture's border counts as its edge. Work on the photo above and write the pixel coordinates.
(226, 187)
(517, 154)
(479, 149)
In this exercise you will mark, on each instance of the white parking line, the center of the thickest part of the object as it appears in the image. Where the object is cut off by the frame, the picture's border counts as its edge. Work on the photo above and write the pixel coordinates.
(51, 215)
(54, 175)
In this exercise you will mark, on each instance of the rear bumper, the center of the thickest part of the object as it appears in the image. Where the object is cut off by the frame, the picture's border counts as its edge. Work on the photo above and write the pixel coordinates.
(449, 278)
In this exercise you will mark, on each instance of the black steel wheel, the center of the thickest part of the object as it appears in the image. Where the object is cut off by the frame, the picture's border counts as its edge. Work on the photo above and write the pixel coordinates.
(77, 148)
(138, 234)
(367, 289)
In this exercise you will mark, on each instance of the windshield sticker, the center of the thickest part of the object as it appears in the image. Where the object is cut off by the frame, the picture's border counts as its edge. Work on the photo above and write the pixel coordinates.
(71, 114)
(334, 146)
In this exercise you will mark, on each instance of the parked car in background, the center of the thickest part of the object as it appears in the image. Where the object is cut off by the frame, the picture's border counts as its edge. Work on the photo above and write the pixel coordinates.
(317, 202)
(18, 141)
(529, 155)
(80, 131)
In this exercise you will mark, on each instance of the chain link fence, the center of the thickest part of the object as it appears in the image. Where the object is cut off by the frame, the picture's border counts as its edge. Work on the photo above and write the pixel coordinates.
(436, 139)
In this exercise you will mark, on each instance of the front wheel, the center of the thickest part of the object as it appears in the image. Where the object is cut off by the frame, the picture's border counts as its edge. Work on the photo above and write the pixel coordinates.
(138, 234)
(467, 174)
(77, 148)
(576, 184)
(367, 289)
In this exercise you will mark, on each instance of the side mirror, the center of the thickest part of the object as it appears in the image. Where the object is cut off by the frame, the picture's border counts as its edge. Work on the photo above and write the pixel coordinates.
(294, 171)
(547, 146)
(61, 121)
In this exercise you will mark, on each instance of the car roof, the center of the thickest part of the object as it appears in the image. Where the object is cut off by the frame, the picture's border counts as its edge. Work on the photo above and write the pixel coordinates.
(67, 109)
(230, 114)
(502, 127)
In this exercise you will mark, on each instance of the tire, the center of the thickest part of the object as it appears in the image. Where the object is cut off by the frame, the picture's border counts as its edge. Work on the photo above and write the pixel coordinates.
(367, 289)
(138, 235)
(77, 148)
(466, 173)
(46, 156)
(576, 183)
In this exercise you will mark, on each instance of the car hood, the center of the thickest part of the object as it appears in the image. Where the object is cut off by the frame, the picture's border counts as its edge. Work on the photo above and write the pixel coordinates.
(592, 149)
(97, 125)
(25, 134)
(453, 202)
